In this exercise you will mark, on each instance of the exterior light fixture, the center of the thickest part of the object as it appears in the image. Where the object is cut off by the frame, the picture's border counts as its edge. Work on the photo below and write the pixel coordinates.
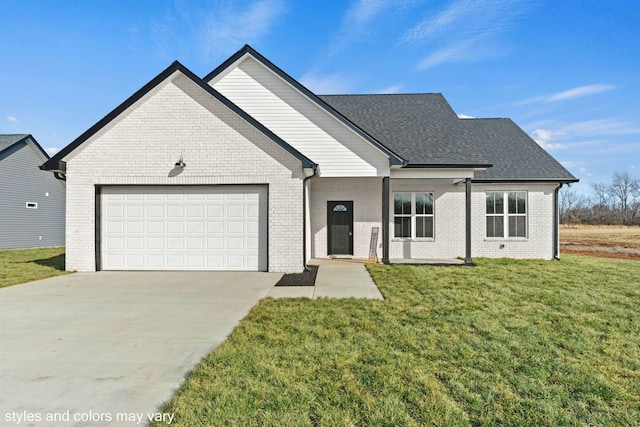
(180, 163)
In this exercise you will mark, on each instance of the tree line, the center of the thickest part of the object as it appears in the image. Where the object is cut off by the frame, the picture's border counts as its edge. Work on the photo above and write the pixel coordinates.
(615, 203)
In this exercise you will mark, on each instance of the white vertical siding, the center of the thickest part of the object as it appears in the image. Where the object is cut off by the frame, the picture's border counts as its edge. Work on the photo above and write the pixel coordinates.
(300, 122)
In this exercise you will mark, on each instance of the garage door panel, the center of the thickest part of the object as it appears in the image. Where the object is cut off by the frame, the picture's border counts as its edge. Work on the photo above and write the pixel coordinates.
(235, 211)
(235, 227)
(184, 227)
(175, 212)
(115, 211)
(135, 211)
(155, 261)
(155, 227)
(174, 227)
(154, 211)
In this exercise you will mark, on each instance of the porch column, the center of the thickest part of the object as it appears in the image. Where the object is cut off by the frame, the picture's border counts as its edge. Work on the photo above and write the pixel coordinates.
(385, 220)
(467, 256)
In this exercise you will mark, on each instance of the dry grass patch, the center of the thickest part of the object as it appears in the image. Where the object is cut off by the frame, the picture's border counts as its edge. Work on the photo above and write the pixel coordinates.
(606, 235)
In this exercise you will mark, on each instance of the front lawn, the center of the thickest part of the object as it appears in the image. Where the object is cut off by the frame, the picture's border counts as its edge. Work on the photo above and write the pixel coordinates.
(26, 265)
(521, 343)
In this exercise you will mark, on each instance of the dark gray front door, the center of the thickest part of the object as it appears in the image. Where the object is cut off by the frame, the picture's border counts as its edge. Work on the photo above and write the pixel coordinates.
(340, 228)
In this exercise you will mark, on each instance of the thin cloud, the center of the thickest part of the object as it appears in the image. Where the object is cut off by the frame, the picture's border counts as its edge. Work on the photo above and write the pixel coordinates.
(363, 11)
(51, 150)
(357, 24)
(391, 89)
(610, 126)
(545, 138)
(593, 133)
(469, 30)
(225, 26)
(329, 84)
(576, 92)
(12, 119)
(463, 51)
(465, 116)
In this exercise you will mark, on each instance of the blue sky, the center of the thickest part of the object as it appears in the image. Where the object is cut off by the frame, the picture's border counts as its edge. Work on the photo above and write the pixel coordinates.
(566, 71)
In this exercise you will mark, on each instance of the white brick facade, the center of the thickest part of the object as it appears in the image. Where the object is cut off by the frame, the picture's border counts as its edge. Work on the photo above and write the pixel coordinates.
(178, 117)
(449, 220)
(366, 194)
(539, 240)
(141, 146)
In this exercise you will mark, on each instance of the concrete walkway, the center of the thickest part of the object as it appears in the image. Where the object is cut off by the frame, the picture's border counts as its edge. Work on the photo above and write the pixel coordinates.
(337, 278)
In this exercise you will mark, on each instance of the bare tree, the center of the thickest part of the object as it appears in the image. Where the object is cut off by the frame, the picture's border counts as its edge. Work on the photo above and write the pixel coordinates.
(601, 205)
(570, 204)
(625, 193)
(617, 202)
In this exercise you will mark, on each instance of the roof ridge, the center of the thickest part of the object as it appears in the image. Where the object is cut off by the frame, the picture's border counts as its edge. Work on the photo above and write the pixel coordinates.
(384, 94)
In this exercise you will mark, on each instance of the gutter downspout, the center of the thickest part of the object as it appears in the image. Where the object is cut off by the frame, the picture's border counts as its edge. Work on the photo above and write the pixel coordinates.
(556, 224)
(304, 216)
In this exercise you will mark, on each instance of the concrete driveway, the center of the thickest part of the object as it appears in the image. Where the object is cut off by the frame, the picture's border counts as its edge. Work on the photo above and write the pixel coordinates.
(109, 348)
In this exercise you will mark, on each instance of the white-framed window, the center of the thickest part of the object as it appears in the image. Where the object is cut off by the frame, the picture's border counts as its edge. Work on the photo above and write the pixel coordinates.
(31, 205)
(413, 215)
(506, 214)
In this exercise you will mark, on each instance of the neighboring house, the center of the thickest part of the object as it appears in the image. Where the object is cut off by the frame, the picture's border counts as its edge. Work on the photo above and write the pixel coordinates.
(32, 201)
(247, 169)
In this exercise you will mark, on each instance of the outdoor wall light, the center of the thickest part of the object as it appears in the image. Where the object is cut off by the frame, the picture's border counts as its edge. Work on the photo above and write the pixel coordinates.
(180, 163)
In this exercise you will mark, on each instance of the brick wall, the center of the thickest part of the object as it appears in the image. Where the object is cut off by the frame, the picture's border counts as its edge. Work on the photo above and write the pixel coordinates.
(366, 194)
(449, 220)
(141, 146)
(539, 241)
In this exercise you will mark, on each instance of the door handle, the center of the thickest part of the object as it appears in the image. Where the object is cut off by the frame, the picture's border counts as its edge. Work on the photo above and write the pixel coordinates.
(350, 233)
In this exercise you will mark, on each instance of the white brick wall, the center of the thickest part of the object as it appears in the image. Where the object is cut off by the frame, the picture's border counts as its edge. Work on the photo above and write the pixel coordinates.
(366, 194)
(449, 220)
(539, 241)
(141, 146)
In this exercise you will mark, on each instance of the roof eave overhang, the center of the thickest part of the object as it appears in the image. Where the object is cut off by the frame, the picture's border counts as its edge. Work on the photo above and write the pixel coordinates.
(475, 166)
(526, 180)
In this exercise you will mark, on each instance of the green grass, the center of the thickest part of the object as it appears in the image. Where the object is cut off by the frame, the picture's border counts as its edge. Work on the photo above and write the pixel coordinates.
(521, 343)
(25, 265)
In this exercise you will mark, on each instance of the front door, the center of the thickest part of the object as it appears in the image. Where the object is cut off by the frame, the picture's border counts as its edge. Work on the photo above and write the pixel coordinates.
(340, 228)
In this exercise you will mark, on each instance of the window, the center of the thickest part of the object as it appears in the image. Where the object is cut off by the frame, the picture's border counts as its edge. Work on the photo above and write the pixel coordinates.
(31, 205)
(506, 220)
(413, 215)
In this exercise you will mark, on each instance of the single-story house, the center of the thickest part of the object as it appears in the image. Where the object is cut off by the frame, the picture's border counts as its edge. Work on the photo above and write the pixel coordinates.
(32, 201)
(246, 169)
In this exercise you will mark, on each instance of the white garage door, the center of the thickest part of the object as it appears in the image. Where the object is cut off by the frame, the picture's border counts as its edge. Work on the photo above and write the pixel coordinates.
(184, 227)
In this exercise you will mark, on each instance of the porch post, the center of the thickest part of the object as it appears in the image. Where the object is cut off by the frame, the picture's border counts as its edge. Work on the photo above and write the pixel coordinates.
(385, 220)
(467, 256)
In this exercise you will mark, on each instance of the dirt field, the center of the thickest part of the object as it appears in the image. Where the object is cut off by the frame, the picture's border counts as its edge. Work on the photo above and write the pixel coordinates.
(607, 241)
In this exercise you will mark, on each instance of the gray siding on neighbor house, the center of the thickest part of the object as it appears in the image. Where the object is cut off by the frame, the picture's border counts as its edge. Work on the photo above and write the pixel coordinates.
(22, 182)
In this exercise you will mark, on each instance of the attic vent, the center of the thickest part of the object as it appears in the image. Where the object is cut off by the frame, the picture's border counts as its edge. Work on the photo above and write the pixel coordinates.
(32, 205)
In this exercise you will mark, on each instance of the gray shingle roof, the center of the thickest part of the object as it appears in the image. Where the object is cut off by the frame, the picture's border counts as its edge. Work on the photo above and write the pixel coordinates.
(424, 130)
(7, 141)
(421, 128)
(513, 153)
